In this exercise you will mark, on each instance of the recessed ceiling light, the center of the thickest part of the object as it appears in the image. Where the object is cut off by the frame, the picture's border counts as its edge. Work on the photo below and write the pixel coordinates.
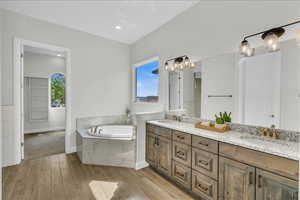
(118, 27)
(59, 55)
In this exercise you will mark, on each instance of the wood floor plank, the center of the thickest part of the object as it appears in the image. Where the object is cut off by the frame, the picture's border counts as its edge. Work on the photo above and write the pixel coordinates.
(63, 177)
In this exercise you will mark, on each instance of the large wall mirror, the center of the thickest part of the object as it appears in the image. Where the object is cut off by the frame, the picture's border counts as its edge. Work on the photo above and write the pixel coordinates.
(262, 90)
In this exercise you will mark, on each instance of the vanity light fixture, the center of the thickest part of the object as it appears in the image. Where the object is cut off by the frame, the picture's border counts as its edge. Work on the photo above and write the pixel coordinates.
(270, 37)
(179, 63)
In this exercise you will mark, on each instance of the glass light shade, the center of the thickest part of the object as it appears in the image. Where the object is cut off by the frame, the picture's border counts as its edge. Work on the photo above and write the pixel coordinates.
(250, 52)
(298, 36)
(192, 65)
(175, 66)
(181, 66)
(187, 62)
(166, 66)
(172, 68)
(244, 47)
(271, 42)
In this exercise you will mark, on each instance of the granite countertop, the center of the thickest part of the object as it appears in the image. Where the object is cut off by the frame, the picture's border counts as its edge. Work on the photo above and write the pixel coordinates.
(281, 148)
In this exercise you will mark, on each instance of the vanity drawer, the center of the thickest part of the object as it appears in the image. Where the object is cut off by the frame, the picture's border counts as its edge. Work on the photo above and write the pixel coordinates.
(282, 166)
(182, 174)
(164, 132)
(182, 153)
(182, 137)
(205, 162)
(204, 186)
(205, 144)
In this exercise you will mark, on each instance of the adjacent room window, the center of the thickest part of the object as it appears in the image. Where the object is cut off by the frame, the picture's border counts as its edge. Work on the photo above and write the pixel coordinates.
(147, 81)
(57, 90)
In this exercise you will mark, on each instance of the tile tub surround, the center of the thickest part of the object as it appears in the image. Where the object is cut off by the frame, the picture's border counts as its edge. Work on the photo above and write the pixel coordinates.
(287, 135)
(107, 152)
(283, 148)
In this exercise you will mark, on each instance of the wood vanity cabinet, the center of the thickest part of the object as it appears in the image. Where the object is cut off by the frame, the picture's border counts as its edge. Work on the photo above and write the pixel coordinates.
(164, 155)
(151, 150)
(270, 186)
(214, 170)
(236, 180)
(159, 150)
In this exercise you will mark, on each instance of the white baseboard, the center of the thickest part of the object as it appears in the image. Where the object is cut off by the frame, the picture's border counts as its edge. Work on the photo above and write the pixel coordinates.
(141, 165)
(71, 150)
(44, 130)
(11, 162)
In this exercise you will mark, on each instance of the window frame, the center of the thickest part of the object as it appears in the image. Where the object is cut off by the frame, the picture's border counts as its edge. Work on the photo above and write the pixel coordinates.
(134, 79)
(50, 91)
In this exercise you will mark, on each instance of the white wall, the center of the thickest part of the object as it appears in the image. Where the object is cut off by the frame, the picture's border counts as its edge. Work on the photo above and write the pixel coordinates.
(44, 66)
(210, 28)
(1, 28)
(96, 65)
(218, 79)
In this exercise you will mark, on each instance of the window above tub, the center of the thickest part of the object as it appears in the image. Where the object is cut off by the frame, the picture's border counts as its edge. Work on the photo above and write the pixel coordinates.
(147, 81)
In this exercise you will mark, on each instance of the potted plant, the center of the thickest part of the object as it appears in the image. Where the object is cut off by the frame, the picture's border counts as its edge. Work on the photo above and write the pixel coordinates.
(227, 117)
(220, 123)
(222, 119)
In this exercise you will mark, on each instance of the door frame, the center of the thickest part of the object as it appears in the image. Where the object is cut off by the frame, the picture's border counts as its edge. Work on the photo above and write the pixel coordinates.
(19, 96)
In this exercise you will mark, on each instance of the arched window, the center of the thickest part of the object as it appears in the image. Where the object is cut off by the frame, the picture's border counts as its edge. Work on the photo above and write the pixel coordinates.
(58, 90)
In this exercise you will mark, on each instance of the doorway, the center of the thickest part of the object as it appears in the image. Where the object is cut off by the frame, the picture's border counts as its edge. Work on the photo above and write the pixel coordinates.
(42, 116)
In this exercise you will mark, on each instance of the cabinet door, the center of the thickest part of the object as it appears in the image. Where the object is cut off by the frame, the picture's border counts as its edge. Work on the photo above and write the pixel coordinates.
(236, 180)
(274, 187)
(164, 155)
(151, 150)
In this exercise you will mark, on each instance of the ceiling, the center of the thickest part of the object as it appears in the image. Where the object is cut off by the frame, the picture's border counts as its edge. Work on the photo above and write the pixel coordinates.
(136, 18)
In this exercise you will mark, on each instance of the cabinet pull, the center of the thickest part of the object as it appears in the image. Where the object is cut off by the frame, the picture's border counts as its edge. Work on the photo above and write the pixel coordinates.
(202, 187)
(180, 137)
(180, 174)
(203, 143)
(259, 181)
(157, 141)
(203, 162)
(250, 178)
(180, 153)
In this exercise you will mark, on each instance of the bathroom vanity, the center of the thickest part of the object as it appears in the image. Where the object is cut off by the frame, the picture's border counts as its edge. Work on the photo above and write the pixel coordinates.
(223, 166)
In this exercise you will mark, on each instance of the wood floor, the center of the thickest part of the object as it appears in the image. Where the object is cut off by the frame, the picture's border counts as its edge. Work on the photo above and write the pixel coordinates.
(39, 145)
(60, 177)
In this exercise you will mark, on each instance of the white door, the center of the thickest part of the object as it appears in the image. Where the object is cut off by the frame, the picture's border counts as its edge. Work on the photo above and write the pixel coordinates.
(261, 90)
